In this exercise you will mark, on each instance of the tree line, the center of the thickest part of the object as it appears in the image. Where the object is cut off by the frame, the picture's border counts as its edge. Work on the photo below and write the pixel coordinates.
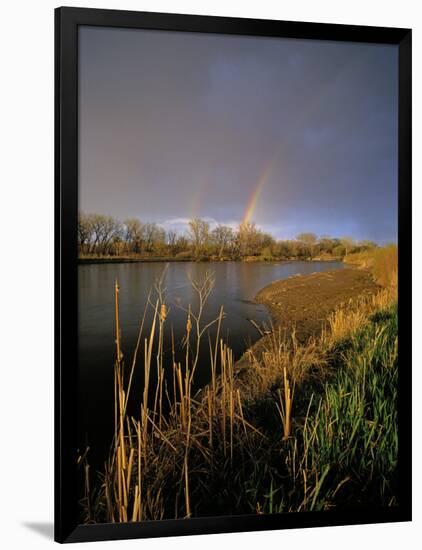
(106, 236)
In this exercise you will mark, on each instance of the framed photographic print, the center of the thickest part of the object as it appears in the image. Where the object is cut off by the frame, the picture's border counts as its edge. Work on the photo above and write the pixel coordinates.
(233, 274)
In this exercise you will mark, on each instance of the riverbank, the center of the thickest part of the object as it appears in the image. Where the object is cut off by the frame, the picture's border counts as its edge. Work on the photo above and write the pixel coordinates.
(248, 259)
(305, 301)
(309, 424)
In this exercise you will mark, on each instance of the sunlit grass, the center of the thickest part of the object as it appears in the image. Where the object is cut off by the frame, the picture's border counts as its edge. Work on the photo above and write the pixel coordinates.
(382, 262)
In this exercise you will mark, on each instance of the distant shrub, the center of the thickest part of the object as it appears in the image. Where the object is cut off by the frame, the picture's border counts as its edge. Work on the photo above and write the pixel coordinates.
(184, 255)
(267, 253)
(339, 250)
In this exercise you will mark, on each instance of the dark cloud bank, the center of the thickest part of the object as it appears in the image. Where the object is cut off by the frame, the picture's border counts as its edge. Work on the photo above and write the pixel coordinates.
(174, 125)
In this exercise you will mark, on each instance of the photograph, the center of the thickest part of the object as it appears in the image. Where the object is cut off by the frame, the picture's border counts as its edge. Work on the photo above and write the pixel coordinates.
(237, 251)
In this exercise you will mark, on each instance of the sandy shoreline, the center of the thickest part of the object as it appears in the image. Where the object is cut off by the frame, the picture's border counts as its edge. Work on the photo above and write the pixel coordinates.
(306, 301)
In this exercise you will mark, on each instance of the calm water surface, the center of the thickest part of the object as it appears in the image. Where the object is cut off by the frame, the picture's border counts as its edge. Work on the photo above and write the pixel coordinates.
(236, 284)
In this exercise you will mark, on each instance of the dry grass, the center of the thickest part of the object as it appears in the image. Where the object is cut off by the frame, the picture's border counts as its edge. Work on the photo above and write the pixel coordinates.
(348, 319)
(152, 453)
(382, 262)
(166, 461)
(282, 352)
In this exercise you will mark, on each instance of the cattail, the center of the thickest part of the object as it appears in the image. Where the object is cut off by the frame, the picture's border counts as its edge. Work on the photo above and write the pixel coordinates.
(188, 325)
(163, 312)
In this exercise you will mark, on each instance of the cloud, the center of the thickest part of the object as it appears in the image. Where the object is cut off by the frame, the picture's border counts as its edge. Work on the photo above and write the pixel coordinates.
(181, 225)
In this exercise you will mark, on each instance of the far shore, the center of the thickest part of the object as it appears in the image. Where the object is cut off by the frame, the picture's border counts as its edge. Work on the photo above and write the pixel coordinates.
(251, 259)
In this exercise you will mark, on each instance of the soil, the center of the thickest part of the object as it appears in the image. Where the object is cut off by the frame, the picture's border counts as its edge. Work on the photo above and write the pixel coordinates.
(304, 302)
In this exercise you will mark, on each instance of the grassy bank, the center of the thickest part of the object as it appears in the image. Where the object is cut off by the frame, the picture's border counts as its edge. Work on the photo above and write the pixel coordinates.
(381, 262)
(342, 448)
(307, 426)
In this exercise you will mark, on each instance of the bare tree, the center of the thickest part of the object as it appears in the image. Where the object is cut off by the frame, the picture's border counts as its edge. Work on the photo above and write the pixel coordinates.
(150, 236)
(171, 238)
(199, 233)
(159, 243)
(85, 232)
(105, 228)
(249, 238)
(223, 237)
(182, 244)
(326, 244)
(133, 235)
(309, 240)
(171, 241)
(348, 243)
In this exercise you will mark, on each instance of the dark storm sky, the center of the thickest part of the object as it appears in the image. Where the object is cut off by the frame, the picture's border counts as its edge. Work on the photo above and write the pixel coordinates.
(176, 125)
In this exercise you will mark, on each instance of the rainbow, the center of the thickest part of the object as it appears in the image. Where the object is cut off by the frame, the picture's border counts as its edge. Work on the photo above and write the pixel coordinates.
(253, 200)
(309, 112)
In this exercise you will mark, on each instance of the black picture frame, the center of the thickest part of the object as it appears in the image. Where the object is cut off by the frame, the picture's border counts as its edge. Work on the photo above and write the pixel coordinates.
(67, 21)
